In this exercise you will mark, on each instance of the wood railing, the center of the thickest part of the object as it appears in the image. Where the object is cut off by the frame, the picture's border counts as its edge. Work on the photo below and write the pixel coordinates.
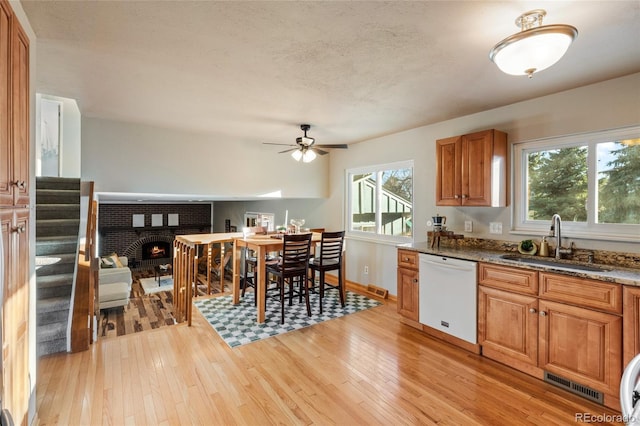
(85, 297)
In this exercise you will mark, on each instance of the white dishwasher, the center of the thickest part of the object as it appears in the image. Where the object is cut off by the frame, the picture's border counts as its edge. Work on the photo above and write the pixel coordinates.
(448, 296)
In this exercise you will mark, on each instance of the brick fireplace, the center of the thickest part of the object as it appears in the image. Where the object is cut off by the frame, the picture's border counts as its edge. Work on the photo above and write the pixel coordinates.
(148, 245)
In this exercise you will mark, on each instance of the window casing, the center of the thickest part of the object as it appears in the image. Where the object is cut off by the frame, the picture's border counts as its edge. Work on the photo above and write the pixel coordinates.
(592, 180)
(380, 202)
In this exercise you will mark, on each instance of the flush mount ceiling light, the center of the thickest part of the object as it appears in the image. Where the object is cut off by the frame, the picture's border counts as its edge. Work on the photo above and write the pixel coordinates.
(535, 47)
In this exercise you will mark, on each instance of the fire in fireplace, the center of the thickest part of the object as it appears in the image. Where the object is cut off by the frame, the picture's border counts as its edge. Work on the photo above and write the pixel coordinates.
(156, 250)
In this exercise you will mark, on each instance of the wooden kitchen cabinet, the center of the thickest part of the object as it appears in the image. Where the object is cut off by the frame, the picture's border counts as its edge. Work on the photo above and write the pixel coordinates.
(517, 343)
(471, 170)
(581, 344)
(14, 230)
(14, 110)
(408, 285)
(572, 327)
(15, 384)
(631, 323)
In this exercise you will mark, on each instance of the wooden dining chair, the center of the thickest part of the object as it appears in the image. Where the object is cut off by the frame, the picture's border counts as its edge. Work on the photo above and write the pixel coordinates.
(251, 262)
(328, 259)
(292, 270)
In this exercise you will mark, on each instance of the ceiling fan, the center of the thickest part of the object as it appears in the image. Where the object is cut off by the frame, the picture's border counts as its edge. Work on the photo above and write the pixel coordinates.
(305, 148)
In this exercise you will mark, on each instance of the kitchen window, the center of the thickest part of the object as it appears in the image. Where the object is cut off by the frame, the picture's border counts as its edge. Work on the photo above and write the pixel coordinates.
(591, 180)
(380, 201)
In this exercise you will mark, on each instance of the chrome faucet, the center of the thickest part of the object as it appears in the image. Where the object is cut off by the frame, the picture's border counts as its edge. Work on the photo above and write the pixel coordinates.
(556, 231)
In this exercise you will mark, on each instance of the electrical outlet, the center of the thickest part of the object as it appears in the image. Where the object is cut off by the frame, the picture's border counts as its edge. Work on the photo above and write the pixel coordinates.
(495, 228)
(366, 269)
(468, 226)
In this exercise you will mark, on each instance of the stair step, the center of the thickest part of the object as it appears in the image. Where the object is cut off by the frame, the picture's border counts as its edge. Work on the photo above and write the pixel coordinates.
(46, 260)
(54, 280)
(53, 291)
(49, 182)
(57, 211)
(51, 331)
(53, 316)
(56, 245)
(54, 227)
(55, 269)
(52, 304)
(54, 196)
(51, 347)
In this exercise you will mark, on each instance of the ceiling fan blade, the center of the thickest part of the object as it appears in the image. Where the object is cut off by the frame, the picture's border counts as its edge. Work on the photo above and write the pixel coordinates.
(283, 144)
(287, 150)
(337, 146)
(320, 151)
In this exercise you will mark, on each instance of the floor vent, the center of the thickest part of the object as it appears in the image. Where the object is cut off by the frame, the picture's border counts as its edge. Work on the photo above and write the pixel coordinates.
(574, 387)
(377, 291)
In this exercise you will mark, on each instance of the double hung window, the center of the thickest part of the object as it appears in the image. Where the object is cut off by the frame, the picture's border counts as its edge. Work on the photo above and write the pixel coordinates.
(380, 201)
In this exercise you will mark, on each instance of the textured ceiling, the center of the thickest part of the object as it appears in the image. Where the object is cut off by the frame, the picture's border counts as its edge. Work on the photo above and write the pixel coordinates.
(253, 71)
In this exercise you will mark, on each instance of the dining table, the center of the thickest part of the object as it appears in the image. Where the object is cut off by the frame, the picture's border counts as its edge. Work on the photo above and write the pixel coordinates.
(261, 245)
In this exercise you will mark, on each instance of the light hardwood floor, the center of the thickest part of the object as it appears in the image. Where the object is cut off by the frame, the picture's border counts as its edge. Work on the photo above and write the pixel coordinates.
(365, 368)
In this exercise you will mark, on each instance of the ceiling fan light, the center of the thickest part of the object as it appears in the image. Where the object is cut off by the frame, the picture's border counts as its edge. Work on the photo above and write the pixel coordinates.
(533, 49)
(297, 155)
(305, 140)
(309, 156)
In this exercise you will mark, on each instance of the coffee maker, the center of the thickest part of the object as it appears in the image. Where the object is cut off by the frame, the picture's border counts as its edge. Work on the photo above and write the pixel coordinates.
(438, 222)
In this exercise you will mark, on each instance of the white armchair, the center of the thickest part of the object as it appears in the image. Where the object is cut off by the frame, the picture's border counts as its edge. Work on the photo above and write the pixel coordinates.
(115, 285)
(116, 275)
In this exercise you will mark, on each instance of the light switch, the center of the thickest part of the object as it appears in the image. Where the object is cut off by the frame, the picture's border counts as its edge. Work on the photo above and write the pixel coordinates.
(468, 226)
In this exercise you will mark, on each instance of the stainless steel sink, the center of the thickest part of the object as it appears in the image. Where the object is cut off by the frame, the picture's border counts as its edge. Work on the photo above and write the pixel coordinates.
(555, 263)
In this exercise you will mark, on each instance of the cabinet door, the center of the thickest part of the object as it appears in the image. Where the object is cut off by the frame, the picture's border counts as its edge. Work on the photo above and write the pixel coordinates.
(6, 163)
(20, 116)
(631, 323)
(15, 313)
(408, 297)
(582, 345)
(508, 326)
(476, 168)
(448, 171)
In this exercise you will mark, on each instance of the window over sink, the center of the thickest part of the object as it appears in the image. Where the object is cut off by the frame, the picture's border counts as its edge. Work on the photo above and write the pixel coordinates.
(380, 203)
(591, 180)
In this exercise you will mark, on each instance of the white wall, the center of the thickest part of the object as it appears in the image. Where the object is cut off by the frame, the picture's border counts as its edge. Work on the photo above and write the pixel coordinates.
(311, 210)
(125, 157)
(611, 104)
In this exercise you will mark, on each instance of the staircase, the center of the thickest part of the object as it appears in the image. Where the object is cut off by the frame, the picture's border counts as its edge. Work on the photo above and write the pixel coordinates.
(57, 224)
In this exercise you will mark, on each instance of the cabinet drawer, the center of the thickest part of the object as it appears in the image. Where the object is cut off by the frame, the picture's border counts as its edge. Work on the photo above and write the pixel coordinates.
(599, 295)
(506, 278)
(408, 259)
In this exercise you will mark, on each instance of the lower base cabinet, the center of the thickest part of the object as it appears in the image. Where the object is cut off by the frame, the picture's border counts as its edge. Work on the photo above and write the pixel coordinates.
(574, 343)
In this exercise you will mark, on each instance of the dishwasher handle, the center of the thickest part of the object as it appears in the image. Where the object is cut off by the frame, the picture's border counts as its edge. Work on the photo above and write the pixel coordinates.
(447, 265)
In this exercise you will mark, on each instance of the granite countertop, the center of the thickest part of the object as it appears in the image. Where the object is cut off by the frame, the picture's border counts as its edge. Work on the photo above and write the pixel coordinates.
(620, 275)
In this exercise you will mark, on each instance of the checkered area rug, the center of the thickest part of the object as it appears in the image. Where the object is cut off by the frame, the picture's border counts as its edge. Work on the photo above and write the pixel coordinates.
(236, 324)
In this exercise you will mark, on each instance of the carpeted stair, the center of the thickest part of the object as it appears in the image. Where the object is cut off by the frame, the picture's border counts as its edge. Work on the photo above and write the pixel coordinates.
(57, 225)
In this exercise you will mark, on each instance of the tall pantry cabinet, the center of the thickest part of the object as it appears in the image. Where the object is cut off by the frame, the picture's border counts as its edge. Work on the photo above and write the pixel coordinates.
(14, 214)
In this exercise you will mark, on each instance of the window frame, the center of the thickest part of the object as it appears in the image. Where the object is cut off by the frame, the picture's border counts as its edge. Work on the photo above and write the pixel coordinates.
(377, 236)
(580, 230)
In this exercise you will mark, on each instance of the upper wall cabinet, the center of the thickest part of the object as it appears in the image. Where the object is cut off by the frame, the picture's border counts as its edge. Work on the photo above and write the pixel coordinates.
(471, 170)
(14, 111)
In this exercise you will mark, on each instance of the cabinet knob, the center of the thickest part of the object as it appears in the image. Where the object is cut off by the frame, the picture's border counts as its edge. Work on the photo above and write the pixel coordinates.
(415, 280)
(19, 229)
(20, 184)
(456, 196)
(406, 259)
(543, 314)
(465, 196)
(533, 310)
